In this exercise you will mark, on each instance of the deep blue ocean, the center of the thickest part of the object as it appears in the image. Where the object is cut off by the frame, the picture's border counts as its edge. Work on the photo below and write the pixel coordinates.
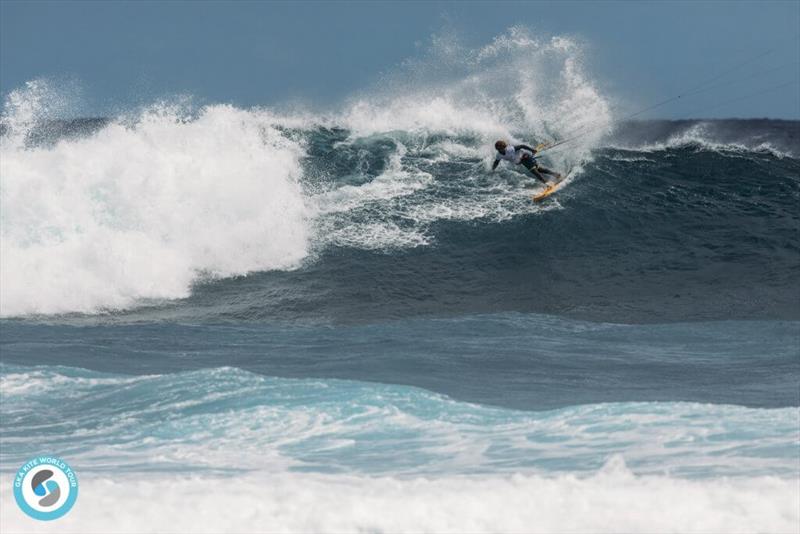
(356, 308)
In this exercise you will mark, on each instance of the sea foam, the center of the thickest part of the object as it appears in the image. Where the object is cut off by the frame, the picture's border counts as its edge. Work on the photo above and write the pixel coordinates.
(611, 500)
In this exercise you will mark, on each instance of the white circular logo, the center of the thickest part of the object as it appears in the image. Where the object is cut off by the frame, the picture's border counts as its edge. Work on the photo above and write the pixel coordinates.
(45, 487)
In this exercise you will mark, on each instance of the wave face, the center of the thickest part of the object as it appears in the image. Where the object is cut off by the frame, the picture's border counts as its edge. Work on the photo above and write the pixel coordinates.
(333, 224)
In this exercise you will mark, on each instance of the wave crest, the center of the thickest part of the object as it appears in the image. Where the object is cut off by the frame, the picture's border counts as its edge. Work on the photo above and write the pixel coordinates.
(140, 211)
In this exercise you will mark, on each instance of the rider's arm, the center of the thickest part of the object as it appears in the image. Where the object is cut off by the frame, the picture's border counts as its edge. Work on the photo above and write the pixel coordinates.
(525, 147)
(495, 164)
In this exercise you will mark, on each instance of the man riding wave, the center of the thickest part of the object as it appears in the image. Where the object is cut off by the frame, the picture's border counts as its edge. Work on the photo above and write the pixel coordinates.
(522, 155)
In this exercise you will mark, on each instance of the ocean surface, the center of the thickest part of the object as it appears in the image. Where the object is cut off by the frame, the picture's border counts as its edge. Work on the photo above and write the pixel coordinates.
(257, 320)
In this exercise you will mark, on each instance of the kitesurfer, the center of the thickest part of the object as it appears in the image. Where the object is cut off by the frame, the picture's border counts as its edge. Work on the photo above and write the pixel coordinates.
(522, 155)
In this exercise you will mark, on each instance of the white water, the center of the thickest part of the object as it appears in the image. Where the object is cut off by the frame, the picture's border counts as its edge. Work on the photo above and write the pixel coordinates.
(140, 212)
(611, 500)
(516, 84)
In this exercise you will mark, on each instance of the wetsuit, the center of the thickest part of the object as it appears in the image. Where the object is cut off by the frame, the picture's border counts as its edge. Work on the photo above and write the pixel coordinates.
(523, 155)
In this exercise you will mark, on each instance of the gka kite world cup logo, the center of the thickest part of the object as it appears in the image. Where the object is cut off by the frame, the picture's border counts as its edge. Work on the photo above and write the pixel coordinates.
(45, 488)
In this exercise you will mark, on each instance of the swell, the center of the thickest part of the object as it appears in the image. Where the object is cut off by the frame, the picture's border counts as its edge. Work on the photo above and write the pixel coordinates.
(520, 361)
(684, 232)
(409, 226)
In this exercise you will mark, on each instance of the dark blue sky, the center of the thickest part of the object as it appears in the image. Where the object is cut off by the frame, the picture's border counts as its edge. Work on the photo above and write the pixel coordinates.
(260, 53)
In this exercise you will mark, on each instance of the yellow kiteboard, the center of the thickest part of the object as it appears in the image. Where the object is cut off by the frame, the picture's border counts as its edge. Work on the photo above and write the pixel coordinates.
(552, 188)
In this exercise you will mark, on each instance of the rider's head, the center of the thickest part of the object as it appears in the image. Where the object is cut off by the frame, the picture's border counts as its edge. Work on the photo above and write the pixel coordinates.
(501, 146)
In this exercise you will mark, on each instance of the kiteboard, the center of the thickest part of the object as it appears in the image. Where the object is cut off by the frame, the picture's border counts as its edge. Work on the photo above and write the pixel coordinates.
(551, 188)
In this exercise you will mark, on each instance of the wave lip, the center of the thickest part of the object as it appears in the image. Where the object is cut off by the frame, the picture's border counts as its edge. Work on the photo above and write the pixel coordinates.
(780, 138)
